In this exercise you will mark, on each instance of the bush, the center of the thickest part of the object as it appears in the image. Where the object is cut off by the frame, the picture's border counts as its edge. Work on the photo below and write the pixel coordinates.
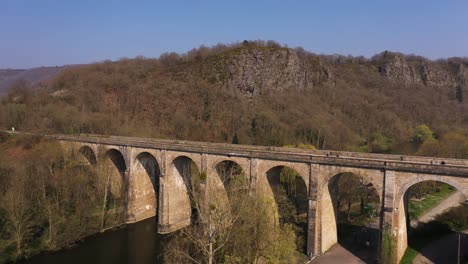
(422, 134)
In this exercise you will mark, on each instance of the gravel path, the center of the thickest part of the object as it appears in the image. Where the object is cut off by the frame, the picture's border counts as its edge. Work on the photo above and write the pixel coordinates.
(453, 200)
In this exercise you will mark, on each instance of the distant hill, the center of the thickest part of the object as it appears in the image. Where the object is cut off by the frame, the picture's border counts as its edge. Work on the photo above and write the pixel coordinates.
(31, 76)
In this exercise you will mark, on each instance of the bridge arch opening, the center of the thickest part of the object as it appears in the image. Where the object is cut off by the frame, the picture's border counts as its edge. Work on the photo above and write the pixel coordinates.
(351, 215)
(88, 154)
(185, 169)
(146, 174)
(228, 186)
(430, 216)
(290, 194)
(116, 159)
(233, 177)
(113, 188)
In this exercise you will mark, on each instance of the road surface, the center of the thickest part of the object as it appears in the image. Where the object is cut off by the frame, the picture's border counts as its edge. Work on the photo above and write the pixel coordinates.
(444, 250)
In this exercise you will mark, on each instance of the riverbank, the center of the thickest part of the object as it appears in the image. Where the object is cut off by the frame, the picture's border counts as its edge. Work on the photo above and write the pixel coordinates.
(38, 250)
(134, 244)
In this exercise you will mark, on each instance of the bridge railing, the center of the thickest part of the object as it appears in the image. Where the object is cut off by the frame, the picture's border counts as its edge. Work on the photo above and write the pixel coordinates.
(205, 146)
(251, 150)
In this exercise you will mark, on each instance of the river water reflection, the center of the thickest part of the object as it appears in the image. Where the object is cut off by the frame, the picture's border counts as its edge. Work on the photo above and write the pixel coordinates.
(137, 243)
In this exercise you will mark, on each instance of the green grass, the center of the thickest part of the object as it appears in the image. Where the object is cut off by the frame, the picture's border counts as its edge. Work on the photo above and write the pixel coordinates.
(409, 256)
(416, 208)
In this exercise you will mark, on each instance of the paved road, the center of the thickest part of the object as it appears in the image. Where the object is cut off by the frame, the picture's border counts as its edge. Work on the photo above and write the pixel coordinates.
(337, 255)
(453, 200)
(444, 250)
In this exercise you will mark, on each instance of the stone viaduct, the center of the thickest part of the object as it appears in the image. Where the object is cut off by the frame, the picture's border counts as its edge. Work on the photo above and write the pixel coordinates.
(150, 167)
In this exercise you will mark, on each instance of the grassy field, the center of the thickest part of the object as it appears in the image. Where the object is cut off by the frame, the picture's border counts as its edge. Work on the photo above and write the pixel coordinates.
(416, 208)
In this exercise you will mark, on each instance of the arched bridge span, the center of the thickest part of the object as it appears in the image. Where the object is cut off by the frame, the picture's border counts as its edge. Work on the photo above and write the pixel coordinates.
(156, 184)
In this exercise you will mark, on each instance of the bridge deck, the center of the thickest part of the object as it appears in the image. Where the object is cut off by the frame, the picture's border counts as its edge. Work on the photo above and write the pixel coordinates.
(433, 165)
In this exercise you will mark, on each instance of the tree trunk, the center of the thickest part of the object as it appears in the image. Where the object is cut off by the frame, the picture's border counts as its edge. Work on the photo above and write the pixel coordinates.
(318, 139)
(349, 208)
(362, 205)
(210, 238)
(105, 201)
(50, 225)
(18, 239)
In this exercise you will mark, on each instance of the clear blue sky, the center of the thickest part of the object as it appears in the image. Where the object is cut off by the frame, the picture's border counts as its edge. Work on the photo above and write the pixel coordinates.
(47, 32)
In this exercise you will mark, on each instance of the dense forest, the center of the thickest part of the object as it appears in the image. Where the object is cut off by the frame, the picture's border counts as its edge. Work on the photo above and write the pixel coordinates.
(258, 93)
(49, 199)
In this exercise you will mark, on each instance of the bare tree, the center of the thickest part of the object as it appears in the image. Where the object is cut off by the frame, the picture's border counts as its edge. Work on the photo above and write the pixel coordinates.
(19, 210)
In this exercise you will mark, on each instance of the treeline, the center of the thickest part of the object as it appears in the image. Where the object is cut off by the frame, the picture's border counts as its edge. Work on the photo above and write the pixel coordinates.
(48, 198)
(362, 111)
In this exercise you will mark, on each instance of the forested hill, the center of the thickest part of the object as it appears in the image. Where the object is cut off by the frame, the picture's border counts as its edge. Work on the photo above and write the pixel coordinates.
(30, 77)
(259, 93)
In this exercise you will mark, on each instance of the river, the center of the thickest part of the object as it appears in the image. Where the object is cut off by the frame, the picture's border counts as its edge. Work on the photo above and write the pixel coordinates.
(136, 243)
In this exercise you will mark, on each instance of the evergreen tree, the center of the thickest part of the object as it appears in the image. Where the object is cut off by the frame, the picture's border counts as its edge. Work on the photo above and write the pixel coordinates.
(459, 94)
(235, 139)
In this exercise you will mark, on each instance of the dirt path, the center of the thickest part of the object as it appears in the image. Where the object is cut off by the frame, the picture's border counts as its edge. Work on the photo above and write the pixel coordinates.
(444, 250)
(453, 200)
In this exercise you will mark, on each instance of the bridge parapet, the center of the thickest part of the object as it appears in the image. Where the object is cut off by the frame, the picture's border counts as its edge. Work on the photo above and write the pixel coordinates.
(432, 165)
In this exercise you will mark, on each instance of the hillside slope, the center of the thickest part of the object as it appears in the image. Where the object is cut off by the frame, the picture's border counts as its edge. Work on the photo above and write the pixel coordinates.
(31, 77)
(260, 93)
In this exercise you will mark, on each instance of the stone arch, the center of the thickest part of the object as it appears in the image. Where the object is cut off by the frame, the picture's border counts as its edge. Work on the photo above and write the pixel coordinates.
(144, 182)
(196, 158)
(302, 169)
(177, 193)
(265, 180)
(88, 154)
(328, 178)
(400, 217)
(215, 160)
(368, 176)
(459, 185)
(114, 168)
(117, 159)
(231, 164)
(219, 182)
(287, 196)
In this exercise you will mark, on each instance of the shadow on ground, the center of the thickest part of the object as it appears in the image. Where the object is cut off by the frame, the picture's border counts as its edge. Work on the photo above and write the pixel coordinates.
(437, 243)
(360, 241)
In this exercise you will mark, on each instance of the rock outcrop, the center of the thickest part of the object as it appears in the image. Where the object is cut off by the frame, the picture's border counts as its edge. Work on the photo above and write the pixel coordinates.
(417, 70)
(255, 70)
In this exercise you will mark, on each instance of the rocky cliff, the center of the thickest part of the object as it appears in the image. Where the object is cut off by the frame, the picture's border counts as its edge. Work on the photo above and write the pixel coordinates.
(262, 69)
(417, 70)
(257, 69)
